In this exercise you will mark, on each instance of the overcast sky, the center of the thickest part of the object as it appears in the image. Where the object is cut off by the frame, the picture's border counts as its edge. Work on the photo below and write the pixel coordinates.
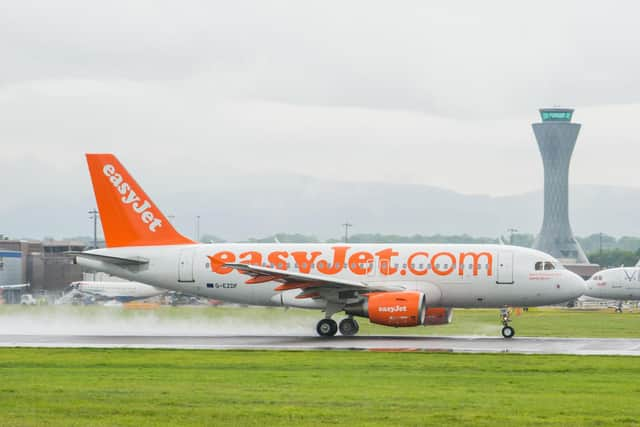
(436, 93)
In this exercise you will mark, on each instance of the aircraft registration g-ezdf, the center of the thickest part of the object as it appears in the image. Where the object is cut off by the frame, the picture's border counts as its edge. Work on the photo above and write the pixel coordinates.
(391, 284)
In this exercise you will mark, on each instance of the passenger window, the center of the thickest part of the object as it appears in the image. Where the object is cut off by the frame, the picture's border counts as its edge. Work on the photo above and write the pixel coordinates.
(549, 266)
(539, 265)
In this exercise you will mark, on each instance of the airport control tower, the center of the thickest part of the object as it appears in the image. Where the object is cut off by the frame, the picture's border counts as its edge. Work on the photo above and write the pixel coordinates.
(556, 137)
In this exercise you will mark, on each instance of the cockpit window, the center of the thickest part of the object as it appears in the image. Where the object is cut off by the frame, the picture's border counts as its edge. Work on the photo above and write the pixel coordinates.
(545, 265)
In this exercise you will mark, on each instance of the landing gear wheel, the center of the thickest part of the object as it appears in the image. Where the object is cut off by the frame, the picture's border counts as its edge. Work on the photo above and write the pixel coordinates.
(327, 328)
(349, 327)
(508, 332)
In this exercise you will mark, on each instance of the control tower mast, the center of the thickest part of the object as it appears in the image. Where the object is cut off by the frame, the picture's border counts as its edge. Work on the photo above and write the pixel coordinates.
(556, 137)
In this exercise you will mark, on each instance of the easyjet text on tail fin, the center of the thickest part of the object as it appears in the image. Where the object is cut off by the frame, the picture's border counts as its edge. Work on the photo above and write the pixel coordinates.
(128, 216)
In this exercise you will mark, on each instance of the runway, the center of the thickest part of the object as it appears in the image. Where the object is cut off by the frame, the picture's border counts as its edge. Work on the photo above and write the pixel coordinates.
(522, 345)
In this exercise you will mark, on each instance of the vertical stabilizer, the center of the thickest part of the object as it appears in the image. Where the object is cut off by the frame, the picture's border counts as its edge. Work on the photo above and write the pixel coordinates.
(128, 216)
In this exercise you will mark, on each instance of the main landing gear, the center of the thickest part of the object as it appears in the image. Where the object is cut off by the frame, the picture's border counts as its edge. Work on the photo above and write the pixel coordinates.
(349, 327)
(507, 331)
(329, 327)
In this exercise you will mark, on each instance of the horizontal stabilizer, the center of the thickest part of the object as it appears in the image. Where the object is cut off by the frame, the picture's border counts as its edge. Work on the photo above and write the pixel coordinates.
(109, 259)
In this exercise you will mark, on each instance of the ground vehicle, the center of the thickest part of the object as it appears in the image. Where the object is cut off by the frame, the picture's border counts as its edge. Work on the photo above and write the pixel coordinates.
(27, 299)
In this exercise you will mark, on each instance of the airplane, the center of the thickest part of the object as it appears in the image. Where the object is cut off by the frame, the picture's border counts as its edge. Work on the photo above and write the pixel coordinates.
(398, 285)
(122, 291)
(620, 284)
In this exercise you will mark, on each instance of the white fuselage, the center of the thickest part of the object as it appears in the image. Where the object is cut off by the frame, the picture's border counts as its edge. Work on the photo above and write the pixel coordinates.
(450, 275)
(615, 284)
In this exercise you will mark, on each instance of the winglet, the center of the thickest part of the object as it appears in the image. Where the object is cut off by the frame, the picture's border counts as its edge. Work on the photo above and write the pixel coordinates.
(128, 216)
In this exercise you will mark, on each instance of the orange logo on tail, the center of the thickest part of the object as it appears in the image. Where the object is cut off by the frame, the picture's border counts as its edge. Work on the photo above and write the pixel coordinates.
(130, 198)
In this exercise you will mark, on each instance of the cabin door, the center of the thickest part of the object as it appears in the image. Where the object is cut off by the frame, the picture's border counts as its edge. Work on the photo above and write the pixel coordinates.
(505, 268)
(185, 266)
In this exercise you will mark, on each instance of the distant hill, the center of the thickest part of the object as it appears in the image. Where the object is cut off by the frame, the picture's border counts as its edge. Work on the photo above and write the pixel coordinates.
(310, 206)
(239, 209)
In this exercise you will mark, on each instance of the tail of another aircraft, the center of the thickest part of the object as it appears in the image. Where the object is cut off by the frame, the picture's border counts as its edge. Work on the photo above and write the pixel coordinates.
(128, 216)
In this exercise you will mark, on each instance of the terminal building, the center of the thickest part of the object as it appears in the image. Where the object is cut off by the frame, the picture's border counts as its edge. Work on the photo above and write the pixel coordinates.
(11, 274)
(556, 135)
(42, 263)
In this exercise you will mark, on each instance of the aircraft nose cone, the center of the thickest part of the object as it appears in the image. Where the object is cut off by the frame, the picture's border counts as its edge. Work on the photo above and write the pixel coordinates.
(576, 285)
(591, 288)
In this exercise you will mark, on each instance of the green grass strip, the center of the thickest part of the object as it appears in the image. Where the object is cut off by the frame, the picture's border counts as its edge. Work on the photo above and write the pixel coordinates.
(68, 387)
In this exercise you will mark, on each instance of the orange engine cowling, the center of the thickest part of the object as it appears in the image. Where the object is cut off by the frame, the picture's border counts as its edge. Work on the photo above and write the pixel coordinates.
(392, 308)
(438, 316)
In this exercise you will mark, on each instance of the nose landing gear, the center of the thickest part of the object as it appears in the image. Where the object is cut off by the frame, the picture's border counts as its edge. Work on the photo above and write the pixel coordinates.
(507, 331)
(619, 307)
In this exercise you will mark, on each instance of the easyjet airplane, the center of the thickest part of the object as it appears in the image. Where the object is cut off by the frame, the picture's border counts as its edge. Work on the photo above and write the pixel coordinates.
(391, 284)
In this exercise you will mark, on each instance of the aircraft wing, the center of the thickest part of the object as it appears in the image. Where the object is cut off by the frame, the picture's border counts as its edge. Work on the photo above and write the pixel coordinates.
(18, 286)
(310, 285)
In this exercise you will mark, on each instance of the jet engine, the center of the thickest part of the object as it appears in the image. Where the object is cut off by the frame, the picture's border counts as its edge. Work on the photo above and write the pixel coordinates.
(392, 308)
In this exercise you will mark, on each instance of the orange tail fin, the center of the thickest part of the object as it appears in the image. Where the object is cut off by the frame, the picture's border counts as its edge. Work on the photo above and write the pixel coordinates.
(128, 216)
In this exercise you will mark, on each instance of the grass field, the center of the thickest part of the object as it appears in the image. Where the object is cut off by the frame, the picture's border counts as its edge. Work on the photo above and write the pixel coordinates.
(262, 321)
(64, 387)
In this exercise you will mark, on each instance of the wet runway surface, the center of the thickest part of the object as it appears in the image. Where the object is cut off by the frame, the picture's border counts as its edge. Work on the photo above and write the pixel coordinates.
(525, 345)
